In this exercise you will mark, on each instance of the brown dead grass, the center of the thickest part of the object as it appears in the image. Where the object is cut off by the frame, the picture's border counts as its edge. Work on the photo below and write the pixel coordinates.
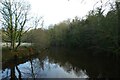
(20, 53)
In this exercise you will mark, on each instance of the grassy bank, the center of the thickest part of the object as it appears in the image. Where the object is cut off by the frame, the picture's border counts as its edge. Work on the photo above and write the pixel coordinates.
(22, 52)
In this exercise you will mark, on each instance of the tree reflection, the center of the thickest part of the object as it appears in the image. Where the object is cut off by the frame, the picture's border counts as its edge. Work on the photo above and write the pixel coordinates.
(36, 65)
(75, 63)
(32, 70)
(93, 66)
(12, 73)
(12, 68)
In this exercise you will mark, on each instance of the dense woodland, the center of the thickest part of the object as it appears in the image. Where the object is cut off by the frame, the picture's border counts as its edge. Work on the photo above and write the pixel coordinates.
(90, 43)
(97, 32)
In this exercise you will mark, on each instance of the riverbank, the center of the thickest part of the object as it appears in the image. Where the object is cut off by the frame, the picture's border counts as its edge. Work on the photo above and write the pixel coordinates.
(68, 60)
(22, 52)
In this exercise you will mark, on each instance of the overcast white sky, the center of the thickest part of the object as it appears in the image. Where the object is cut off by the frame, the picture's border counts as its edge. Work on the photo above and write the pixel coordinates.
(55, 11)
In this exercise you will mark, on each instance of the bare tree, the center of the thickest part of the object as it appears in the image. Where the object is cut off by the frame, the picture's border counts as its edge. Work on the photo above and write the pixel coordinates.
(14, 17)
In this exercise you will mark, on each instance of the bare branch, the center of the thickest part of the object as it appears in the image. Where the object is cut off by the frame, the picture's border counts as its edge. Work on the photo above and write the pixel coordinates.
(14, 15)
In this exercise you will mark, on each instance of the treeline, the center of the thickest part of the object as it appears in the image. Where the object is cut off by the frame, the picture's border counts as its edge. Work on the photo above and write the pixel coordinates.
(97, 32)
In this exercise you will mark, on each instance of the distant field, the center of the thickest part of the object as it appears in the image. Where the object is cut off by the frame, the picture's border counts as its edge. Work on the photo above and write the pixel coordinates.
(22, 44)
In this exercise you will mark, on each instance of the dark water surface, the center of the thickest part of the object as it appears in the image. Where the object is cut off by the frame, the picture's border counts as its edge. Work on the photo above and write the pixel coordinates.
(63, 63)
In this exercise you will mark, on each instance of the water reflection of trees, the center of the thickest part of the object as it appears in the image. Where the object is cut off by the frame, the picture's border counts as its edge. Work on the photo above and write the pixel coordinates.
(10, 74)
(78, 63)
(36, 66)
(11, 70)
(93, 66)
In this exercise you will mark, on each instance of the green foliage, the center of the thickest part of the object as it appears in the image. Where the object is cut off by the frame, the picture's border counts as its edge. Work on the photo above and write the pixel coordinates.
(97, 32)
(39, 37)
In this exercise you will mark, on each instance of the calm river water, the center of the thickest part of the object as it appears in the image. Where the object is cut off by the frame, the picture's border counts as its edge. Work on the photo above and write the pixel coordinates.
(63, 63)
